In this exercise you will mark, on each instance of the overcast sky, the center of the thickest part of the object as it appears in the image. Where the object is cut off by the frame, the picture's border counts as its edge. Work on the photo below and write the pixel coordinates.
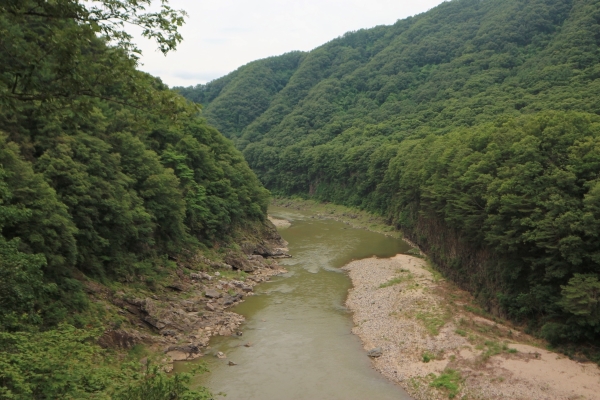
(222, 35)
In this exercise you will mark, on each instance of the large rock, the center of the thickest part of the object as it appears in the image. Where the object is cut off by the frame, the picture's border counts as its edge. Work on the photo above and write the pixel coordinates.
(247, 288)
(120, 339)
(201, 276)
(228, 300)
(212, 294)
(177, 286)
(376, 352)
(189, 306)
(239, 263)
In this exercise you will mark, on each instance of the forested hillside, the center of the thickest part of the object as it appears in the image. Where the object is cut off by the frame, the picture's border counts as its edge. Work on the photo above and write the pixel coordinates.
(474, 127)
(105, 174)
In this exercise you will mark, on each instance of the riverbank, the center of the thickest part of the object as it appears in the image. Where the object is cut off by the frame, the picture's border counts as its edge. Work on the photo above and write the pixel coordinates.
(174, 318)
(353, 217)
(436, 344)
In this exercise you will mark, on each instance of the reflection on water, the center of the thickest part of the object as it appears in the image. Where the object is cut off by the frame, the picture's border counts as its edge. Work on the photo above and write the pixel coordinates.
(297, 329)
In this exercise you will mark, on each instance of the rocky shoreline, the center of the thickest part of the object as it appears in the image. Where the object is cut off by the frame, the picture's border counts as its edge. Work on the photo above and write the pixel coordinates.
(178, 318)
(428, 336)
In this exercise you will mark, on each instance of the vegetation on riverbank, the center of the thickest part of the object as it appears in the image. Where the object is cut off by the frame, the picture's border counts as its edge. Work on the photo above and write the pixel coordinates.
(472, 128)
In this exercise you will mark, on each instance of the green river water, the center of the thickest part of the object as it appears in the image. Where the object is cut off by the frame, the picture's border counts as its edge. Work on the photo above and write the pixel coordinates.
(299, 329)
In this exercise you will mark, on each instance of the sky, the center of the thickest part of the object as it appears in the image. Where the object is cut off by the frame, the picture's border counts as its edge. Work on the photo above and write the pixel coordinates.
(222, 35)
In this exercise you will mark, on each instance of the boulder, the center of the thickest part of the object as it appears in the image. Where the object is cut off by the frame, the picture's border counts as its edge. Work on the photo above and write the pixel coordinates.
(201, 276)
(376, 352)
(228, 300)
(212, 294)
(239, 263)
(189, 306)
(119, 339)
(177, 286)
(247, 288)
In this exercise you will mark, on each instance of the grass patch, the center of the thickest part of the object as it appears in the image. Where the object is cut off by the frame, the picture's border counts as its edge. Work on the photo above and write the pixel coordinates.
(435, 274)
(137, 352)
(415, 253)
(481, 312)
(397, 280)
(433, 321)
(461, 332)
(491, 348)
(233, 274)
(427, 356)
(449, 381)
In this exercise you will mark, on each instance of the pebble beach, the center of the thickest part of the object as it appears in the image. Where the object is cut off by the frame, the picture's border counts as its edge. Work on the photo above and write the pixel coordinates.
(434, 348)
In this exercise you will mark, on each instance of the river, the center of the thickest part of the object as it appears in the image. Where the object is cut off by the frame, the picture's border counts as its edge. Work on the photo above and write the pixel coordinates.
(298, 331)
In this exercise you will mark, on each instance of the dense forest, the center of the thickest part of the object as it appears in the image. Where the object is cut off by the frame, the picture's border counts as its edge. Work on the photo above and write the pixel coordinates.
(105, 174)
(473, 127)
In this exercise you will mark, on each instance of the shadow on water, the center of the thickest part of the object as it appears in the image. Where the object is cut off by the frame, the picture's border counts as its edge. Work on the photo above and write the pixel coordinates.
(297, 327)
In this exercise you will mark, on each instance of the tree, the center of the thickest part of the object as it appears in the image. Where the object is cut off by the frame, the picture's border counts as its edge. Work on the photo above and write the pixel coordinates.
(54, 49)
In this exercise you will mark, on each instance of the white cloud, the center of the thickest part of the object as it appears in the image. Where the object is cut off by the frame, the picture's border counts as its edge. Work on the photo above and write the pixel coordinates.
(221, 36)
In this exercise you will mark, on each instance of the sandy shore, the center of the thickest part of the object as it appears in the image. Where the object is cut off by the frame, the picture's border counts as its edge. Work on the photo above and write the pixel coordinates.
(435, 347)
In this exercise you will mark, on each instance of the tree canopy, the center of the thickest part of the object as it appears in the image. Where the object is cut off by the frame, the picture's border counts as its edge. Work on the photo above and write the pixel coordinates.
(105, 174)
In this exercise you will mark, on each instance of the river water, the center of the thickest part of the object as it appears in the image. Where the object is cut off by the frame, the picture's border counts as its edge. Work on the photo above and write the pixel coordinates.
(297, 327)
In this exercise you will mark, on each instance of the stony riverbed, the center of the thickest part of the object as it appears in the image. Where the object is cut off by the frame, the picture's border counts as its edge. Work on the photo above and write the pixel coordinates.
(430, 343)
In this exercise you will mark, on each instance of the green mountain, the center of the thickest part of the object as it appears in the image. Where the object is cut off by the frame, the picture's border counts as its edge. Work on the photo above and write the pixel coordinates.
(474, 127)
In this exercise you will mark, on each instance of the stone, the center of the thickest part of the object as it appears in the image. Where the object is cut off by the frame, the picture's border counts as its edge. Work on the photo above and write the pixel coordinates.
(210, 307)
(376, 352)
(201, 276)
(231, 363)
(189, 306)
(119, 339)
(239, 263)
(155, 322)
(177, 286)
(248, 268)
(212, 294)
(247, 288)
(221, 355)
(177, 355)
